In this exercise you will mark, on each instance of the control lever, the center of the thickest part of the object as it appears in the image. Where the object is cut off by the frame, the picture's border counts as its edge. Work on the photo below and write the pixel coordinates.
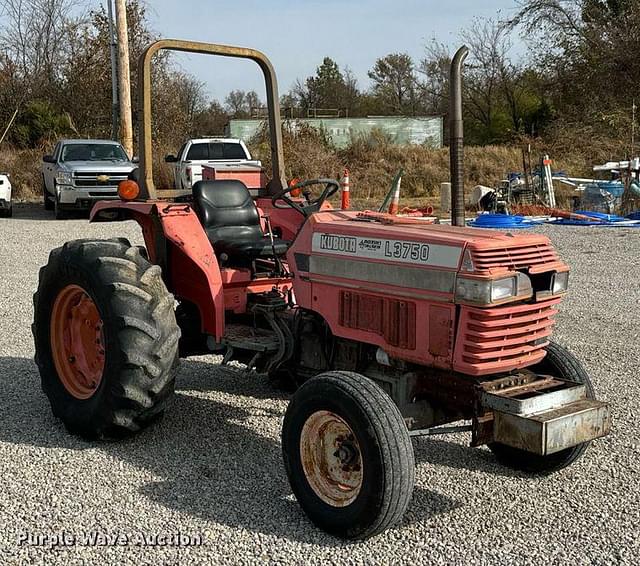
(276, 259)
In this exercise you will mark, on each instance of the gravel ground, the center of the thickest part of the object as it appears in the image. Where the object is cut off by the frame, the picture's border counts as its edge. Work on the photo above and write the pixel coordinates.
(212, 468)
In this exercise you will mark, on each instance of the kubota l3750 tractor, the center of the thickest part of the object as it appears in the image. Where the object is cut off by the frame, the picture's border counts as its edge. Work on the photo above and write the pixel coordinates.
(387, 327)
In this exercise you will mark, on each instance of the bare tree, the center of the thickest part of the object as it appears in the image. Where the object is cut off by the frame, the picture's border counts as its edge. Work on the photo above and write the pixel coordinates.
(190, 95)
(236, 102)
(489, 43)
(35, 35)
(434, 88)
(561, 20)
(252, 100)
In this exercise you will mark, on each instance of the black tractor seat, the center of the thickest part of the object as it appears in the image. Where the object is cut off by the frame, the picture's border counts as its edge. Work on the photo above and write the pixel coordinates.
(232, 222)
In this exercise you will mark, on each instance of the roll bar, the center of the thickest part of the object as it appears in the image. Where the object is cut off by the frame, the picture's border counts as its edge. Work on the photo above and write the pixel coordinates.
(278, 181)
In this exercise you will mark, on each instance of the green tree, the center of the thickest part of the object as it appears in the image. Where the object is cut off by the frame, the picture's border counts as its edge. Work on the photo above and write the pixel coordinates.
(329, 88)
(394, 83)
(587, 52)
(40, 124)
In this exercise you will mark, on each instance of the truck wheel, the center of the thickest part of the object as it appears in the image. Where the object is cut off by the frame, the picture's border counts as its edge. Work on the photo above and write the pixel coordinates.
(59, 212)
(348, 455)
(48, 203)
(558, 362)
(106, 337)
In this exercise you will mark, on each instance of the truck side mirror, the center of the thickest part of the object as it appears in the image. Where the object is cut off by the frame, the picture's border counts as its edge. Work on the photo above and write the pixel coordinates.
(135, 159)
(48, 159)
(170, 159)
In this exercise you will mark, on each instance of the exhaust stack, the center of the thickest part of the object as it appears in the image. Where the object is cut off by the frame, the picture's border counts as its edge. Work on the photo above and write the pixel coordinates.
(456, 137)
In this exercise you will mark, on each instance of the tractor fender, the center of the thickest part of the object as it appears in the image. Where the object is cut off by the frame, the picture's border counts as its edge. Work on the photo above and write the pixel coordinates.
(176, 240)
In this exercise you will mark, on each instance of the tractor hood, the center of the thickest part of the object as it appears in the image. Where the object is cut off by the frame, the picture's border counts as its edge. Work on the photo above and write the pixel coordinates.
(345, 235)
(98, 166)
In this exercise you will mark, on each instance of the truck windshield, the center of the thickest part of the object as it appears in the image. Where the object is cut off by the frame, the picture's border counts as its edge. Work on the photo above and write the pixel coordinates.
(93, 152)
(215, 151)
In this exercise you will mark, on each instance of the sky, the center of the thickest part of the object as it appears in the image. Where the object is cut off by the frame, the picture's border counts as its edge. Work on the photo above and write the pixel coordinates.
(297, 35)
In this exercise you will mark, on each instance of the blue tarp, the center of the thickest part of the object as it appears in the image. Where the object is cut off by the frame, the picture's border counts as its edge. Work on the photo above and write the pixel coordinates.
(599, 219)
(502, 222)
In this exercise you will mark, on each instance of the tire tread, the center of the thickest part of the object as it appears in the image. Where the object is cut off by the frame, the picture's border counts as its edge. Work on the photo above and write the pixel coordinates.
(393, 440)
(146, 330)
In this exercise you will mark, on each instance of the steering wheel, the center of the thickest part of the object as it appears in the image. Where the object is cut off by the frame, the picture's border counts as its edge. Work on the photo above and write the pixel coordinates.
(331, 186)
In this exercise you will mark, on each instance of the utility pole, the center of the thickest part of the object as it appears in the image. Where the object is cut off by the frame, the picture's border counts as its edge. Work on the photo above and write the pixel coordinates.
(113, 45)
(124, 78)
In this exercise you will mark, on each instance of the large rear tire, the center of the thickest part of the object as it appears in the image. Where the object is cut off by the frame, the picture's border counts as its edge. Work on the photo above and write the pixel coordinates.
(106, 337)
(558, 362)
(348, 455)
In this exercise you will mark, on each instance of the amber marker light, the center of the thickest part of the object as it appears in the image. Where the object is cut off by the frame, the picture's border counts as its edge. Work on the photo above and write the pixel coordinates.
(128, 190)
(295, 192)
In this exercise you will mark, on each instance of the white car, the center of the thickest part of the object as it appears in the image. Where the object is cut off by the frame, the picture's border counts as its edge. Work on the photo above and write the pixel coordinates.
(6, 208)
(217, 153)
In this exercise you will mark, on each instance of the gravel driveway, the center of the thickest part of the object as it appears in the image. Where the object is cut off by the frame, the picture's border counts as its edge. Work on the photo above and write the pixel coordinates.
(211, 469)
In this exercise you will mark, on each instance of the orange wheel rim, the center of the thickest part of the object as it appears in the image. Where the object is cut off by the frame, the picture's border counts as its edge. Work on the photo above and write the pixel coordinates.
(77, 342)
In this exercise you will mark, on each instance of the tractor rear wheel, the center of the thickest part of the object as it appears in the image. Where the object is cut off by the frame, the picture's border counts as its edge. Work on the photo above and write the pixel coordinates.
(558, 362)
(348, 455)
(106, 337)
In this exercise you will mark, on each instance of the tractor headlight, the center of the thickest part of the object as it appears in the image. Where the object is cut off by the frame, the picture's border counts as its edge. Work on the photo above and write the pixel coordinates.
(487, 291)
(503, 289)
(64, 178)
(560, 282)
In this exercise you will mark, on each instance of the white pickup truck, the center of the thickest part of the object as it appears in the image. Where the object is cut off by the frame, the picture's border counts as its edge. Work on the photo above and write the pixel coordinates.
(218, 153)
(81, 172)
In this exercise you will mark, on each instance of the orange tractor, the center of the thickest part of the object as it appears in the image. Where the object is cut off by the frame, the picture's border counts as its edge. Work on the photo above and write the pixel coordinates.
(386, 327)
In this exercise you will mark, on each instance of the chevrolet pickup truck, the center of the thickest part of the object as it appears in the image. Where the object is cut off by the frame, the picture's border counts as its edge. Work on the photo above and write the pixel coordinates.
(217, 153)
(81, 172)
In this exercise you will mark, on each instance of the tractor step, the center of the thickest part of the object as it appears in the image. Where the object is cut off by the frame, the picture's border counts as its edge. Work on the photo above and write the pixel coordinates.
(535, 396)
(554, 430)
(245, 337)
(543, 414)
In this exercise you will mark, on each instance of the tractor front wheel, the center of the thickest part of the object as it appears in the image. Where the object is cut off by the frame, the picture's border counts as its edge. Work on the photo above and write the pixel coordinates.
(348, 455)
(558, 362)
(106, 337)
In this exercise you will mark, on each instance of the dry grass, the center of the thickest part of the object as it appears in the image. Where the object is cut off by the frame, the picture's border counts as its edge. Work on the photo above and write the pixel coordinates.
(25, 170)
(372, 162)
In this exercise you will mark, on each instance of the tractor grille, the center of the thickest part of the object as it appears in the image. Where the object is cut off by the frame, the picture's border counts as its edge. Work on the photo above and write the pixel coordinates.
(91, 179)
(503, 338)
(392, 318)
(517, 257)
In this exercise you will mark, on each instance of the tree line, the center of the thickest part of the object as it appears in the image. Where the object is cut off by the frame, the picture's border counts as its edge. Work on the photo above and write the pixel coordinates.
(579, 73)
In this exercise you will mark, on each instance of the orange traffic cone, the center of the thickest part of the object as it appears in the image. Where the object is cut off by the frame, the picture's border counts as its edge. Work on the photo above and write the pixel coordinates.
(344, 183)
(395, 201)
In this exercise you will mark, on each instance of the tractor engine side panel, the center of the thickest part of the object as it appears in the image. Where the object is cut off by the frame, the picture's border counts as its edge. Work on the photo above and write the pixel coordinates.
(414, 330)
(404, 308)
